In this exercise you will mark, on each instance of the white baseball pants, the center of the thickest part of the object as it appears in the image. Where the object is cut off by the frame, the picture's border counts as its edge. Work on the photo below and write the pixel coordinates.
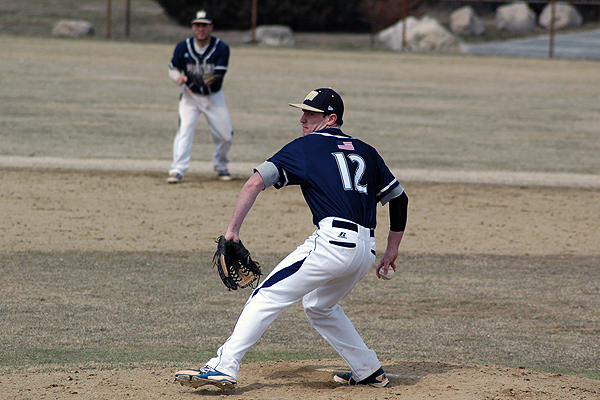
(217, 115)
(321, 273)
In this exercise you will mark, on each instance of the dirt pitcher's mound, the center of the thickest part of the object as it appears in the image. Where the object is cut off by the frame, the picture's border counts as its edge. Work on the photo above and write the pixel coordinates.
(307, 380)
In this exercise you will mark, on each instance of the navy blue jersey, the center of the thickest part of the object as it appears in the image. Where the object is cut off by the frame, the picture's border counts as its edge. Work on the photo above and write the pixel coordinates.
(340, 176)
(194, 65)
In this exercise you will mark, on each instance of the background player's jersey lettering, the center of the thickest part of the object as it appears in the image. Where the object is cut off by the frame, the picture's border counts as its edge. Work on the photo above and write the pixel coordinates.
(200, 66)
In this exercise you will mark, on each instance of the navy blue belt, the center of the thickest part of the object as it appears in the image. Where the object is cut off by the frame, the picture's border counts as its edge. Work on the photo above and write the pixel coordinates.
(351, 226)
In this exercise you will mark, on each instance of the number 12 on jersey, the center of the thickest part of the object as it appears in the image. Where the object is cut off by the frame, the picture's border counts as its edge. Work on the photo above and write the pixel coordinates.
(347, 182)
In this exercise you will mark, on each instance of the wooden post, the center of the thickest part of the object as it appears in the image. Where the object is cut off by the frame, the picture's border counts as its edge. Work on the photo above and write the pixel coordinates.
(373, 22)
(254, 7)
(404, 15)
(127, 17)
(553, 15)
(108, 7)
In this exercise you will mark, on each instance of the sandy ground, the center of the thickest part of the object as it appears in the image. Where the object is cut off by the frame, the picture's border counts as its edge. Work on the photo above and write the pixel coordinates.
(120, 211)
(54, 210)
(307, 380)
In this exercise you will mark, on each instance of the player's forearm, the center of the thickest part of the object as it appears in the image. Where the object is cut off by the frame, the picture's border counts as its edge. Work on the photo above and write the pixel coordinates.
(394, 240)
(391, 250)
(177, 76)
(174, 74)
(244, 203)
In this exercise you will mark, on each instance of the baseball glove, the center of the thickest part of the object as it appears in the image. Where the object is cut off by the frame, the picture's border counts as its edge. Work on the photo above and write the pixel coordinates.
(236, 268)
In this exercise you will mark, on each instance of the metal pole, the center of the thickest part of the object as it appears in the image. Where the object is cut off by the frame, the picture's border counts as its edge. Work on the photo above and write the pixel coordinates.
(127, 17)
(108, 7)
(254, 7)
(553, 14)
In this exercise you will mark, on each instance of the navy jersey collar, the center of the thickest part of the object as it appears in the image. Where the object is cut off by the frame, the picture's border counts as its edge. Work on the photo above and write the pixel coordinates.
(333, 132)
(209, 49)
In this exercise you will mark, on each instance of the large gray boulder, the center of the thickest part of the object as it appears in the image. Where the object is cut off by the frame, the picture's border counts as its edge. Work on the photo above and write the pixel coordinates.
(565, 16)
(465, 21)
(515, 17)
(424, 35)
(272, 35)
(72, 28)
(428, 35)
(391, 37)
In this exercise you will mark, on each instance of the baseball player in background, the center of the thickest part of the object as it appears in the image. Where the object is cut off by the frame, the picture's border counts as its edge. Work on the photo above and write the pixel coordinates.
(199, 64)
(342, 179)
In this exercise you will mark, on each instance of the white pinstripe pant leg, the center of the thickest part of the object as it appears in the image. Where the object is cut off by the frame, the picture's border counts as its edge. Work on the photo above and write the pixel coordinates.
(217, 116)
(189, 111)
(322, 274)
(219, 122)
(328, 317)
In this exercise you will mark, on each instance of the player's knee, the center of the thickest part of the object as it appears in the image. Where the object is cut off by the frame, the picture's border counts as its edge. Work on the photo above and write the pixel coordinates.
(316, 313)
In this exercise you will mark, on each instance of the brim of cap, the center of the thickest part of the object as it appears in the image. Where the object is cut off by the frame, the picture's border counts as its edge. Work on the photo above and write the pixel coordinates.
(202, 21)
(306, 107)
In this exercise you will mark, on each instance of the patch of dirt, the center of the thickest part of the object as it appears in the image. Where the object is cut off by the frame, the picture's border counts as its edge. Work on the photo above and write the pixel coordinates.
(51, 210)
(307, 380)
(61, 210)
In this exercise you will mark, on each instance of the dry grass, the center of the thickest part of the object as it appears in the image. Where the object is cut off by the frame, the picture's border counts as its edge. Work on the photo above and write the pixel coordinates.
(82, 98)
(94, 309)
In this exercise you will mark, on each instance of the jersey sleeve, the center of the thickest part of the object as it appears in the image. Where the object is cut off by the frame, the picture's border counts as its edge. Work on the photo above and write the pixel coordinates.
(390, 187)
(222, 58)
(269, 173)
(290, 164)
(177, 59)
(393, 190)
